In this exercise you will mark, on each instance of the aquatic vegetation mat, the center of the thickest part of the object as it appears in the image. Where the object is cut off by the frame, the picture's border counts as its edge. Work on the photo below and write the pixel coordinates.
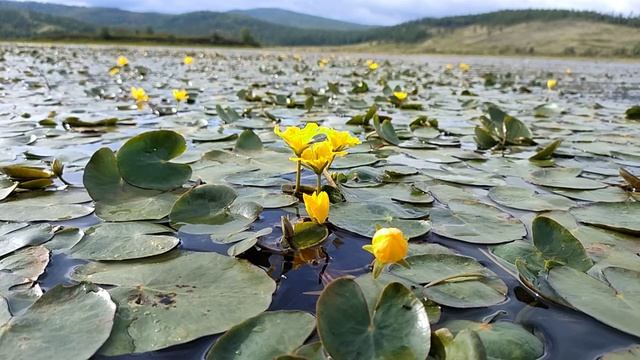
(249, 204)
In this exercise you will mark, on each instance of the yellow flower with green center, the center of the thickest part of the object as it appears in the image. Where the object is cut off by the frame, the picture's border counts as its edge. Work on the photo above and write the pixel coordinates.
(318, 156)
(340, 140)
(188, 60)
(317, 206)
(400, 95)
(122, 61)
(464, 67)
(389, 246)
(180, 95)
(552, 83)
(296, 138)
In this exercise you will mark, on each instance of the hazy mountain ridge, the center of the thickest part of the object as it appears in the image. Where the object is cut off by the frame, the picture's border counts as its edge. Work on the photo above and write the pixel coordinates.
(482, 33)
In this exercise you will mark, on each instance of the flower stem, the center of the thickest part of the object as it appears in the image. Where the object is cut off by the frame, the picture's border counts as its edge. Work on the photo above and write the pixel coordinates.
(319, 183)
(298, 171)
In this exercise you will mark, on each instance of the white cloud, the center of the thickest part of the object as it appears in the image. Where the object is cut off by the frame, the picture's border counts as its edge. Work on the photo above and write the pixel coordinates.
(382, 12)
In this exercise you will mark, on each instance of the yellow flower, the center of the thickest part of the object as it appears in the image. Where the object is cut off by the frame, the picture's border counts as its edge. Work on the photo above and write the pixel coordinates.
(318, 156)
(323, 62)
(464, 67)
(340, 140)
(140, 96)
(188, 60)
(317, 206)
(122, 61)
(388, 246)
(180, 95)
(448, 67)
(372, 65)
(400, 95)
(552, 83)
(114, 71)
(298, 139)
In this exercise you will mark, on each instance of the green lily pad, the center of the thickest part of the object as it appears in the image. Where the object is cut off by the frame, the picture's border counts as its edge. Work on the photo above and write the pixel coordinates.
(82, 312)
(476, 222)
(386, 131)
(14, 236)
(547, 151)
(454, 280)
(564, 178)
(526, 199)
(177, 297)
(502, 340)
(307, 235)
(264, 337)
(124, 241)
(397, 328)
(608, 194)
(18, 275)
(45, 206)
(248, 142)
(615, 303)
(143, 160)
(117, 200)
(615, 216)
(557, 243)
(362, 218)
(210, 209)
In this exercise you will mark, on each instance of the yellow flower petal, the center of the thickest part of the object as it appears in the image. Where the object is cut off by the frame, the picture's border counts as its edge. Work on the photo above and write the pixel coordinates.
(296, 138)
(318, 156)
(340, 140)
(552, 83)
(180, 95)
(400, 95)
(389, 245)
(188, 60)
(122, 61)
(317, 206)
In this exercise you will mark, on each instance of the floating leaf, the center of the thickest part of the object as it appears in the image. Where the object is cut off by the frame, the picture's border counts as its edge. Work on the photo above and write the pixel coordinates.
(616, 304)
(398, 326)
(526, 199)
(177, 297)
(453, 280)
(82, 312)
(362, 218)
(615, 216)
(143, 160)
(476, 222)
(124, 241)
(264, 337)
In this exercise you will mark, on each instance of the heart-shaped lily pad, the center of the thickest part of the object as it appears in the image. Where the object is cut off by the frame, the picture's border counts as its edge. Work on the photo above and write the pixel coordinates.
(117, 200)
(397, 328)
(143, 160)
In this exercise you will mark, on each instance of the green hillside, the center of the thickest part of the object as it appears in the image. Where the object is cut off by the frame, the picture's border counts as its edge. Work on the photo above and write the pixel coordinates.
(298, 20)
(538, 32)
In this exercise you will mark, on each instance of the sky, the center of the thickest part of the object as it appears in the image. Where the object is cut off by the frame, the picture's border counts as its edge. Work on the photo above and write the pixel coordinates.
(374, 12)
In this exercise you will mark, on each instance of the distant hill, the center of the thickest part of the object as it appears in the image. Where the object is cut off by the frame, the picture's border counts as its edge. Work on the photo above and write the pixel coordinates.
(537, 32)
(299, 20)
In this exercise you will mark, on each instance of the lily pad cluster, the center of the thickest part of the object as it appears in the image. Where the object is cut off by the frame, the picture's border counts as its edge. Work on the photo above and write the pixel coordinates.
(223, 204)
